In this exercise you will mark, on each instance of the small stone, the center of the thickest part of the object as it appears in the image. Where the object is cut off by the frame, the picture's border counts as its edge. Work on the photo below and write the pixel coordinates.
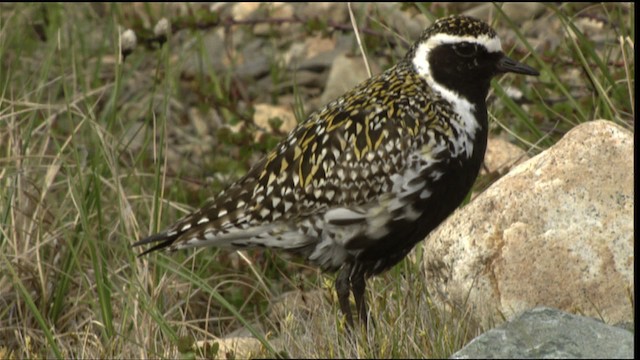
(213, 54)
(335, 11)
(236, 347)
(275, 10)
(199, 123)
(265, 112)
(346, 73)
(517, 12)
(311, 47)
(244, 10)
(408, 26)
(317, 44)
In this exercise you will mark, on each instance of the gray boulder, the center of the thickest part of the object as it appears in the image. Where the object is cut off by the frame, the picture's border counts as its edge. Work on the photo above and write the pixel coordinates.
(549, 333)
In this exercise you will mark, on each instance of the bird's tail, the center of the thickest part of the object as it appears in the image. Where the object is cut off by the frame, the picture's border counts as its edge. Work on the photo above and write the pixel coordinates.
(163, 240)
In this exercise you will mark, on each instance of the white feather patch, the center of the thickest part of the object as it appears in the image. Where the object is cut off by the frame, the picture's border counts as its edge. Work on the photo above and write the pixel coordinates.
(492, 44)
(463, 108)
(219, 239)
(343, 215)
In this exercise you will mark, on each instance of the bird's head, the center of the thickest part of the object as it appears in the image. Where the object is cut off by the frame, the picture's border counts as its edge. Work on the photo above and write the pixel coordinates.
(461, 54)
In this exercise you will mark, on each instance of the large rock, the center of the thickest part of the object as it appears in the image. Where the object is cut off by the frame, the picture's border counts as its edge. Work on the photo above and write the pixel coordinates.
(501, 156)
(555, 231)
(545, 333)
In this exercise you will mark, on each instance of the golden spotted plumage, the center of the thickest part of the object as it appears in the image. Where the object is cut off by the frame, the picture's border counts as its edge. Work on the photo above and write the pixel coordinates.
(357, 184)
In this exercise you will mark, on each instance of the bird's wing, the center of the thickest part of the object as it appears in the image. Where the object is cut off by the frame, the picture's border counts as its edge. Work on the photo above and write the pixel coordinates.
(343, 173)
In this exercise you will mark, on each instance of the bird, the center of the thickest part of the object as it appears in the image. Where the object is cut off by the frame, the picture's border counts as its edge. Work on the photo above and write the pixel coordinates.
(356, 185)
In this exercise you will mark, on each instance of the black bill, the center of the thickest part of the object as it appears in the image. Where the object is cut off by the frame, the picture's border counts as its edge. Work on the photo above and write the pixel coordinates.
(506, 64)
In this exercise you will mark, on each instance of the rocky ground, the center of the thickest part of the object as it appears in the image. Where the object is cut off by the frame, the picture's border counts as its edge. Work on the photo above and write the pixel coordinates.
(282, 61)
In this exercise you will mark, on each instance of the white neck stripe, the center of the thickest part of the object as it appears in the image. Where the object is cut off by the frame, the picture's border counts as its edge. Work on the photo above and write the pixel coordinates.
(467, 122)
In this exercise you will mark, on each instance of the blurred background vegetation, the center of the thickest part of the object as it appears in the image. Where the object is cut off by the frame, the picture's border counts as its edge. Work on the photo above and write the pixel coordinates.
(98, 149)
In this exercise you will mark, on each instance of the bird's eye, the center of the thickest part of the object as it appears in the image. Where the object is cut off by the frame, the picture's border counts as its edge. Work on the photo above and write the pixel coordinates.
(465, 49)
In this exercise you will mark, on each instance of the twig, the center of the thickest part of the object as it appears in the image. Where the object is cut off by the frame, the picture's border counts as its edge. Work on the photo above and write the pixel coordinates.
(357, 32)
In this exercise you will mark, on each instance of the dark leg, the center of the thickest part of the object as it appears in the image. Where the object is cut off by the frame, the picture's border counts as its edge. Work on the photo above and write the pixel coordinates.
(343, 286)
(358, 285)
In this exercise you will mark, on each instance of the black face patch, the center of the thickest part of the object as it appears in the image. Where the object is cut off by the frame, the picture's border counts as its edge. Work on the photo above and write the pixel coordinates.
(466, 67)
(465, 49)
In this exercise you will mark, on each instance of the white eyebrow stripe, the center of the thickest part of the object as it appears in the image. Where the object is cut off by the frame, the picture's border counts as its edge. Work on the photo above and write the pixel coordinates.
(491, 43)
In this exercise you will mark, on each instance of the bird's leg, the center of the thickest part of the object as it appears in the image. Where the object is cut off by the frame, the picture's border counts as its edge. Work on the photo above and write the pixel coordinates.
(343, 287)
(358, 286)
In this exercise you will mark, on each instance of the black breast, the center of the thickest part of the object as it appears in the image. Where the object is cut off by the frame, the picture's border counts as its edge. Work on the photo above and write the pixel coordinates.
(448, 192)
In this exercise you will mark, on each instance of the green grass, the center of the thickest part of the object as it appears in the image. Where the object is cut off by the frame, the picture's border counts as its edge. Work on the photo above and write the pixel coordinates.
(96, 153)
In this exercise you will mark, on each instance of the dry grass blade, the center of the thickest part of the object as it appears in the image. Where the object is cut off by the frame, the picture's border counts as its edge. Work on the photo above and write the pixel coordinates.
(357, 33)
